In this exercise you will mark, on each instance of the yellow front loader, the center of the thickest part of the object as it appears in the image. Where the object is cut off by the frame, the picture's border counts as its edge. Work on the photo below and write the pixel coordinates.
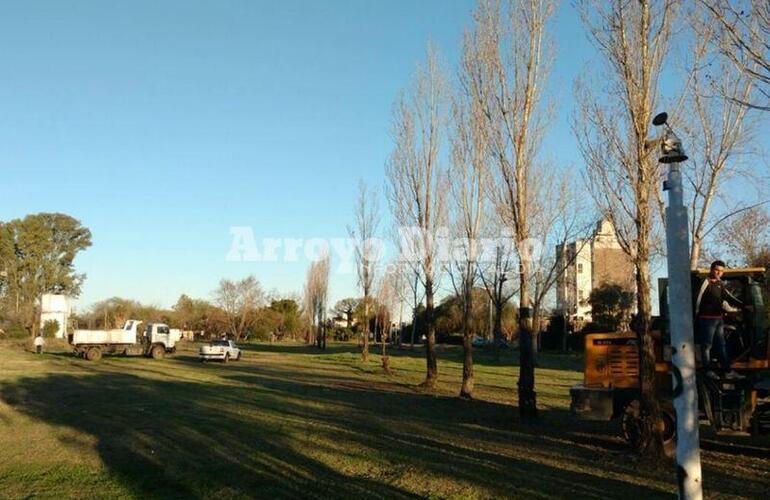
(610, 388)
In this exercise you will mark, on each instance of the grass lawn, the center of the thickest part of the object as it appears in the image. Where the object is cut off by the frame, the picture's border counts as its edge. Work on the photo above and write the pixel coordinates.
(290, 421)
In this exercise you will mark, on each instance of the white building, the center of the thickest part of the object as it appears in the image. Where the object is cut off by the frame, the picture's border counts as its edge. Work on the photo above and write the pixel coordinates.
(591, 263)
(55, 307)
(574, 287)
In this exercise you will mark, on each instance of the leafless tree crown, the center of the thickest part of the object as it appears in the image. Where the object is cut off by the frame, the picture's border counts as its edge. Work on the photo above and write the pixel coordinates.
(744, 40)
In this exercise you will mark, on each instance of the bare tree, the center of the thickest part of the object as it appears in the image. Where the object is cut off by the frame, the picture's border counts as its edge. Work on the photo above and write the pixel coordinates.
(398, 275)
(410, 288)
(718, 131)
(468, 173)
(415, 293)
(747, 236)
(560, 216)
(612, 129)
(367, 221)
(744, 41)
(497, 273)
(238, 299)
(387, 299)
(315, 299)
(417, 184)
(506, 60)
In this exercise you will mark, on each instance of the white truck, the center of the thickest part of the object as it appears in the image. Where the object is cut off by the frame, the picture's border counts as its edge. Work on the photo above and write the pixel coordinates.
(220, 350)
(156, 340)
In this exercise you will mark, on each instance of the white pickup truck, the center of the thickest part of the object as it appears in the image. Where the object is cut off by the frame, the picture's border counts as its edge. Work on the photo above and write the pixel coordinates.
(156, 340)
(220, 350)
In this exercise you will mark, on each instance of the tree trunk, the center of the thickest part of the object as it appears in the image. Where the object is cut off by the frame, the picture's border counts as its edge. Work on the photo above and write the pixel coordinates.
(430, 347)
(652, 440)
(319, 329)
(565, 330)
(526, 385)
(466, 390)
(323, 335)
(695, 255)
(34, 325)
(385, 358)
(536, 328)
(414, 325)
(400, 323)
(497, 333)
(365, 347)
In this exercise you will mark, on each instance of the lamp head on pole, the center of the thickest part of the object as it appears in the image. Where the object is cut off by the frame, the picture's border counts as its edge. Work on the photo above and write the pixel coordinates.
(671, 147)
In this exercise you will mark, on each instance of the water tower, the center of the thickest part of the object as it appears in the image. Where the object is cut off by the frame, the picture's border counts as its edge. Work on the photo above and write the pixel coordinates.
(54, 306)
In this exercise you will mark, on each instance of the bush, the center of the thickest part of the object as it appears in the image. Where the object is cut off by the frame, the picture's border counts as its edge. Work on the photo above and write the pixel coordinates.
(611, 306)
(50, 328)
(342, 334)
(15, 331)
(594, 328)
(449, 338)
(576, 341)
(551, 339)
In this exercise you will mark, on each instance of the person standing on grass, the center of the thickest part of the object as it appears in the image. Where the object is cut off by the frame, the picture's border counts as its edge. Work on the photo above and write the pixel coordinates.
(39, 343)
(712, 302)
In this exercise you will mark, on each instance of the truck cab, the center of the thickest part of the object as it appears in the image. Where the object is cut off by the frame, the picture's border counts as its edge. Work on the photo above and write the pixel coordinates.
(161, 334)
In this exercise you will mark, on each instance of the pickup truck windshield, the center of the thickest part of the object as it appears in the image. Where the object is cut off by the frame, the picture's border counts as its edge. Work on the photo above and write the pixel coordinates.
(220, 343)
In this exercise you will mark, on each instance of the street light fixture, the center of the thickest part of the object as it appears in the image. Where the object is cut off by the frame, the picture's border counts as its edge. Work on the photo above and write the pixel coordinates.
(670, 145)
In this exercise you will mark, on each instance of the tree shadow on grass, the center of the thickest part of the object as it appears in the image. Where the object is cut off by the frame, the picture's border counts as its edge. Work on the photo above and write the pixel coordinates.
(556, 425)
(186, 440)
(193, 440)
(272, 432)
(470, 441)
(417, 423)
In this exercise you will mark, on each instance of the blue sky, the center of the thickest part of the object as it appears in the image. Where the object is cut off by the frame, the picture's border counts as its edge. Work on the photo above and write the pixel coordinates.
(162, 124)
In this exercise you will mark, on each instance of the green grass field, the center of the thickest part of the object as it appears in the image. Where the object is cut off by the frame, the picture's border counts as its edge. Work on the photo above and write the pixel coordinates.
(290, 421)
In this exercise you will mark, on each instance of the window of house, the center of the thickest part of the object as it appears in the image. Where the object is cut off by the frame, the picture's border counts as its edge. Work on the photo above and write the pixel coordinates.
(581, 294)
(580, 267)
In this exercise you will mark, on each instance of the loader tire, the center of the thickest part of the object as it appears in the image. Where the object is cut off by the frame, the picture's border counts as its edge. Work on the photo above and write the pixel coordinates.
(158, 352)
(668, 428)
(632, 423)
(93, 354)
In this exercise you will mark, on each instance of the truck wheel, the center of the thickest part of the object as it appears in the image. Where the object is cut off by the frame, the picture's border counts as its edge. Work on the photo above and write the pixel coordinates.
(668, 429)
(227, 358)
(158, 352)
(632, 424)
(239, 356)
(94, 354)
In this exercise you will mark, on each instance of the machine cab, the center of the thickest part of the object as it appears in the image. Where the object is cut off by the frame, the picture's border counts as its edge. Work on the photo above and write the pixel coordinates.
(746, 330)
(159, 333)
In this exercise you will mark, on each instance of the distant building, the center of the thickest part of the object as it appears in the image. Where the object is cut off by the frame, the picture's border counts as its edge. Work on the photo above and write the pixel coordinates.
(55, 307)
(591, 263)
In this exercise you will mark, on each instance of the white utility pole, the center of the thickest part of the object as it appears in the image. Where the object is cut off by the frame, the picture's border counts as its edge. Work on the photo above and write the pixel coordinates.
(680, 320)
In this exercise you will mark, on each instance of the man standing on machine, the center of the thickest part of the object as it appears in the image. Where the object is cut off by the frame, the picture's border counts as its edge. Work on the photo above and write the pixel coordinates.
(713, 301)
